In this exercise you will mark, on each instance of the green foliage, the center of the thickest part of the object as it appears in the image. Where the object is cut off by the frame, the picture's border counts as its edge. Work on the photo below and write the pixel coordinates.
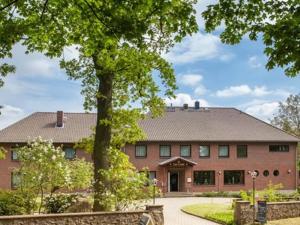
(277, 21)
(126, 185)
(2, 153)
(270, 193)
(44, 169)
(222, 217)
(60, 203)
(12, 203)
(288, 116)
(219, 194)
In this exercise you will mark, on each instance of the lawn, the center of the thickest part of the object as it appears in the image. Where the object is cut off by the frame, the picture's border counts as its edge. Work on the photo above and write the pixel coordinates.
(223, 214)
(217, 212)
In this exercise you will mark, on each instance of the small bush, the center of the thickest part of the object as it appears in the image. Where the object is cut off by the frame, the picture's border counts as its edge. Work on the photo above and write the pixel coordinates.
(219, 194)
(222, 217)
(12, 203)
(60, 203)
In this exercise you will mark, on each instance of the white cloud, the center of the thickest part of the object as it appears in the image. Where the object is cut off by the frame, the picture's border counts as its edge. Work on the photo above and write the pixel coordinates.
(241, 90)
(195, 48)
(263, 110)
(200, 90)
(190, 79)
(254, 62)
(183, 98)
(10, 114)
(200, 7)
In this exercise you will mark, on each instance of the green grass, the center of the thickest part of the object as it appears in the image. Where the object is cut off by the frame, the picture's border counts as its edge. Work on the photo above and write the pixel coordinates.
(217, 212)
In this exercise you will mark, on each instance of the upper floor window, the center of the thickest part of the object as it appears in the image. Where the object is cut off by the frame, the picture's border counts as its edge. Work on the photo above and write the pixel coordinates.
(165, 151)
(70, 153)
(234, 177)
(204, 151)
(204, 177)
(185, 150)
(141, 151)
(241, 151)
(223, 151)
(278, 148)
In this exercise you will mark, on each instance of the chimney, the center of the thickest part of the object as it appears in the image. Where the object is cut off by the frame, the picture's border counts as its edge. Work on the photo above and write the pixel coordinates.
(60, 119)
(197, 105)
(185, 106)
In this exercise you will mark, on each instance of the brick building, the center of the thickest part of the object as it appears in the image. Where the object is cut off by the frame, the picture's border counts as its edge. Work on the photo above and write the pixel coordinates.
(189, 149)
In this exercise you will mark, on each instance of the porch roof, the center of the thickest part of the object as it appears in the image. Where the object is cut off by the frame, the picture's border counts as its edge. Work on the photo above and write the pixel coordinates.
(177, 161)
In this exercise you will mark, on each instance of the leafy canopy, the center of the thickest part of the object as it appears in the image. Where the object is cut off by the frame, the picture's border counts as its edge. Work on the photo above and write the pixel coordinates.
(277, 21)
(121, 37)
(288, 116)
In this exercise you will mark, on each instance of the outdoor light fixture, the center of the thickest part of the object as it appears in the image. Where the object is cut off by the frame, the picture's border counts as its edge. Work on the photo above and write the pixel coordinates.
(253, 175)
(219, 172)
(289, 171)
(154, 185)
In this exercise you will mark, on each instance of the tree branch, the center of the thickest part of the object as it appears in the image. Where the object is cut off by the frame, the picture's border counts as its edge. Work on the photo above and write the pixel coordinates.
(8, 5)
(44, 8)
(96, 15)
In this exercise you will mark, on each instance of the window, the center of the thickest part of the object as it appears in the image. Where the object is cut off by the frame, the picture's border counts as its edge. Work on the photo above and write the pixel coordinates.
(223, 151)
(15, 180)
(204, 151)
(204, 177)
(257, 173)
(278, 148)
(185, 150)
(14, 155)
(234, 177)
(241, 151)
(70, 153)
(152, 175)
(165, 151)
(141, 151)
(276, 173)
(266, 173)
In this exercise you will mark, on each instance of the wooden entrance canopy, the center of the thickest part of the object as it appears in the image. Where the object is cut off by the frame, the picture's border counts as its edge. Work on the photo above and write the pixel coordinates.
(177, 162)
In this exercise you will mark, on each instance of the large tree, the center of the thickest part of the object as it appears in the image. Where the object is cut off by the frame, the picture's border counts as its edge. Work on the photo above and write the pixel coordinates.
(288, 116)
(277, 21)
(119, 44)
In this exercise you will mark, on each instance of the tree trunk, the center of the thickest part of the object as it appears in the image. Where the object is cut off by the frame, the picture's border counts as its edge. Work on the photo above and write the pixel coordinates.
(103, 132)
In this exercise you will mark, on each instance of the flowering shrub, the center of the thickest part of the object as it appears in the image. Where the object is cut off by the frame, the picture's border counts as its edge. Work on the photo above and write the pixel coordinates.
(11, 203)
(44, 169)
(60, 203)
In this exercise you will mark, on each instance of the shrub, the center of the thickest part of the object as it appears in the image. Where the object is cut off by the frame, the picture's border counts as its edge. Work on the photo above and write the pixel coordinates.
(60, 203)
(12, 203)
(80, 206)
(219, 194)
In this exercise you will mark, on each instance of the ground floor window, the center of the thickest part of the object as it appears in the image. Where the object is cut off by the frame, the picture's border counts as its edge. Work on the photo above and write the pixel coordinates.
(234, 177)
(152, 175)
(15, 180)
(204, 177)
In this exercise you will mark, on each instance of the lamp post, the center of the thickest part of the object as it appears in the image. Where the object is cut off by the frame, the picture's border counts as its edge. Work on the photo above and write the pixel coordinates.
(253, 175)
(154, 186)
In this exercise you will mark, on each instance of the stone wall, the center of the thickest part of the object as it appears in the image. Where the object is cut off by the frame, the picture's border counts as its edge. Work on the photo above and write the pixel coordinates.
(98, 218)
(275, 210)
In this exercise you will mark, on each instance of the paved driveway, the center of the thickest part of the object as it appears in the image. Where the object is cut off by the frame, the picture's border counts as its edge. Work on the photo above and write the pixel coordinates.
(174, 216)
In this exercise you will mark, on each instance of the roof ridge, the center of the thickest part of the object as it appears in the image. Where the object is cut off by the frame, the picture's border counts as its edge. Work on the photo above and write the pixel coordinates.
(269, 124)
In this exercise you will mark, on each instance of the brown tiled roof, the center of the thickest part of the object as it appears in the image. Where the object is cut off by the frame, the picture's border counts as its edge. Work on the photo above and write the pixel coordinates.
(210, 124)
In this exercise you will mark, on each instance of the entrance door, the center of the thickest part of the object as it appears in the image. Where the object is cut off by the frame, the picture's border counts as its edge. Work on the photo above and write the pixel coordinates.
(174, 181)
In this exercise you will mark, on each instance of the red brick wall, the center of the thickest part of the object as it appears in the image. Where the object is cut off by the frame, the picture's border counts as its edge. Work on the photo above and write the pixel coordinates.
(7, 165)
(259, 158)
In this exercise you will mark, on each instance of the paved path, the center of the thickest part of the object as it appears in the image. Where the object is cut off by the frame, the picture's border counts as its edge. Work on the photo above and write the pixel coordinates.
(174, 216)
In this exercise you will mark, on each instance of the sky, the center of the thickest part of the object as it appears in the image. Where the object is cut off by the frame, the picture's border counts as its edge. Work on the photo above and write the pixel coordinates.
(216, 74)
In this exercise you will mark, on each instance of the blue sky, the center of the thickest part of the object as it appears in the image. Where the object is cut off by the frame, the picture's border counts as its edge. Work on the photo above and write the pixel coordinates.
(206, 70)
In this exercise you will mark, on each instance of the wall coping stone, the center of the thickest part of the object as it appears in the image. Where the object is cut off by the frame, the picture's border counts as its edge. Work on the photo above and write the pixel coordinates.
(70, 214)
